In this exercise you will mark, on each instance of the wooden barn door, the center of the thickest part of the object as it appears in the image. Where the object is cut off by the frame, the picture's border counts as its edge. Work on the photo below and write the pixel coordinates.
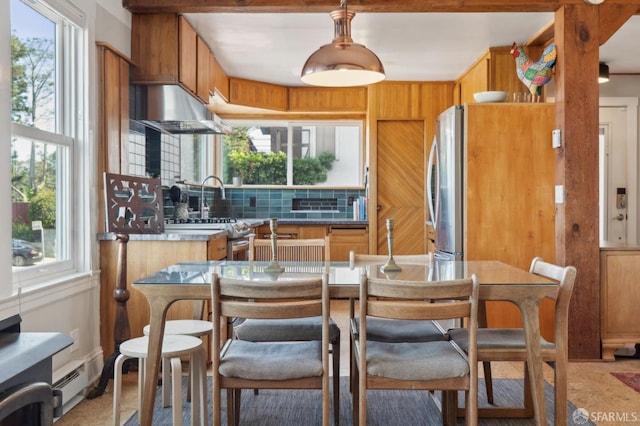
(401, 185)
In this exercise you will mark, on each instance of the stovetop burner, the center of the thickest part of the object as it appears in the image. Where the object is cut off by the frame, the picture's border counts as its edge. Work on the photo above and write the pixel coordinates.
(198, 220)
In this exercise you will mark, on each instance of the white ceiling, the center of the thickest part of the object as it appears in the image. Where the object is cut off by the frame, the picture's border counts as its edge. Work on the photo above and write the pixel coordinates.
(273, 47)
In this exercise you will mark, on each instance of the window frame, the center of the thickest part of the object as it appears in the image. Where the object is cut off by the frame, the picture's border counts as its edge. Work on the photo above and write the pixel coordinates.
(70, 103)
(290, 124)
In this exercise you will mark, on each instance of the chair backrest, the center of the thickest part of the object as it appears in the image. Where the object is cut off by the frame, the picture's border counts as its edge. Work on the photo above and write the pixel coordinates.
(421, 300)
(565, 275)
(356, 259)
(295, 296)
(296, 250)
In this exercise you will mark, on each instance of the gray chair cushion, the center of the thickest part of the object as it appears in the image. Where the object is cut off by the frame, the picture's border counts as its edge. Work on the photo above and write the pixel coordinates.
(393, 330)
(272, 361)
(415, 361)
(495, 338)
(290, 329)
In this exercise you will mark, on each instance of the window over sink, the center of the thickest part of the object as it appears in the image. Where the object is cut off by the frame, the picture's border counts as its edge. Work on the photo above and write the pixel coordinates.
(293, 153)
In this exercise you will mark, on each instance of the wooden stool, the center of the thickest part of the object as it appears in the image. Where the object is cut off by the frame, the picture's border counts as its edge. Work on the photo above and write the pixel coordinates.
(195, 328)
(173, 346)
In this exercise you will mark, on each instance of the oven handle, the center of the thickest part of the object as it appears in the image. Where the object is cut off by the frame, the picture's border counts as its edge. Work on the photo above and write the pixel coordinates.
(279, 236)
(240, 245)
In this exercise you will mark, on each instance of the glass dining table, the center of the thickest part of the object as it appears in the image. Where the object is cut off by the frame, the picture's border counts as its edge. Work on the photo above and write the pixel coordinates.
(498, 282)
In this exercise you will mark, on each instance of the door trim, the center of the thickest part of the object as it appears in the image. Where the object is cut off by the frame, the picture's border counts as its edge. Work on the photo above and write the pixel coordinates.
(632, 160)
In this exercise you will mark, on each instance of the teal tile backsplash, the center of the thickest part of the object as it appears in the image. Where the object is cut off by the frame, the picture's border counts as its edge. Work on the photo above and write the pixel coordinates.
(264, 203)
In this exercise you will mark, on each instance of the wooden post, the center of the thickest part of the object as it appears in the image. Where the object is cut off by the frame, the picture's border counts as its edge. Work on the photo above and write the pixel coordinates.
(121, 330)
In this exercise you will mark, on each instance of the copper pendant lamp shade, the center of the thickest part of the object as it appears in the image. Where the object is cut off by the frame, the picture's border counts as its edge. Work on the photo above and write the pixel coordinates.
(342, 63)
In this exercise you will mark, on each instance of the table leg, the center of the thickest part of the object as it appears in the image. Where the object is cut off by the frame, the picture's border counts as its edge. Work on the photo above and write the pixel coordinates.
(159, 307)
(529, 309)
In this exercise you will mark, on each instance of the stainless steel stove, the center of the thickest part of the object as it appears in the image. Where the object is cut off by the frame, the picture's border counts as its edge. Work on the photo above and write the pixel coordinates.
(235, 228)
(238, 232)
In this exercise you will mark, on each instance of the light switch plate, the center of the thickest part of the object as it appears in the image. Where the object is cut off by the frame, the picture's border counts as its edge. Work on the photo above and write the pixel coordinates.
(556, 139)
(559, 194)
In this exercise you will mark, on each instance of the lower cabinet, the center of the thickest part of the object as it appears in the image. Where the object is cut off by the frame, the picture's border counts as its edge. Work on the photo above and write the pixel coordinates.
(344, 238)
(144, 258)
(619, 299)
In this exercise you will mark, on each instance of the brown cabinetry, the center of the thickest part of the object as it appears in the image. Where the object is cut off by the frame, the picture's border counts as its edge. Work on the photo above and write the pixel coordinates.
(343, 237)
(145, 258)
(509, 184)
(494, 70)
(619, 299)
(322, 99)
(256, 94)
(167, 50)
(203, 81)
(218, 79)
(113, 140)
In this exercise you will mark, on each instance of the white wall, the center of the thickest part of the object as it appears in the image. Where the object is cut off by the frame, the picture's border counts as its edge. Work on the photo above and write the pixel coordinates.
(75, 303)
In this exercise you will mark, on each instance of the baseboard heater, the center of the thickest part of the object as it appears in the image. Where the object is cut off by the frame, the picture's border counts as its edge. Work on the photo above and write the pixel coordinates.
(72, 380)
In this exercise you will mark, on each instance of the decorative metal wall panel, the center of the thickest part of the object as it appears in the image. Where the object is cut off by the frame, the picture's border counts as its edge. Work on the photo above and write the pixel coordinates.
(134, 204)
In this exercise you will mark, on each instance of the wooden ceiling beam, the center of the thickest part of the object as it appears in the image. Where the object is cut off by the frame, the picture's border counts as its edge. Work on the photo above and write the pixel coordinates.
(324, 6)
(612, 17)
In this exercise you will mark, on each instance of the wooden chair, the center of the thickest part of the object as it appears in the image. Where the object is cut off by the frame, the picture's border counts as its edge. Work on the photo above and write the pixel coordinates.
(434, 365)
(310, 255)
(242, 364)
(507, 344)
(389, 330)
(293, 250)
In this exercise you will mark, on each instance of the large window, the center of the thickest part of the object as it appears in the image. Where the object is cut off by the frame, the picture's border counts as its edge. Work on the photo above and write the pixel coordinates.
(294, 153)
(46, 114)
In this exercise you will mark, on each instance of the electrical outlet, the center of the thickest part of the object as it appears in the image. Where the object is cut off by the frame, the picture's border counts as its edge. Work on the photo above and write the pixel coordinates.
(350, 201)
(252, 201)
(75, 335)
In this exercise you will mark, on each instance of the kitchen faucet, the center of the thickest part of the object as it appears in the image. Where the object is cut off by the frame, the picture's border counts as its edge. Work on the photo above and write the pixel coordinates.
(204, 209)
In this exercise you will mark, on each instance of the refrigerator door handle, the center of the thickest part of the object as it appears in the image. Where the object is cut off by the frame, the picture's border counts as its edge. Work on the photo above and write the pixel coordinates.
(430, 201)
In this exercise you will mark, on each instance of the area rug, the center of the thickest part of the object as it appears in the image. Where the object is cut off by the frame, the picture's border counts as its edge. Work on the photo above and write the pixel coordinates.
(384, 408)
(630, 379)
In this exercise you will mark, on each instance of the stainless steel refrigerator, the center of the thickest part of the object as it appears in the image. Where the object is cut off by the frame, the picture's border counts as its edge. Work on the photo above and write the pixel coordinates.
(444, 184)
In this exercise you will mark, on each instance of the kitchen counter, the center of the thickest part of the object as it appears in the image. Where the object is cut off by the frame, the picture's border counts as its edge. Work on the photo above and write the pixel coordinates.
(320, 222)
(173, 235)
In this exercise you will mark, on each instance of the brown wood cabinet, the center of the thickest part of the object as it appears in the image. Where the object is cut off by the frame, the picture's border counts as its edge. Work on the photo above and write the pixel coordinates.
(113, 139)
(257, 94)
(218, 79)
(347, 238)
(164, 48)
(619, 299)
(509, 186)
(203, 80)
(494, 70)
(343, 237)
(143, 259)
(322, 99)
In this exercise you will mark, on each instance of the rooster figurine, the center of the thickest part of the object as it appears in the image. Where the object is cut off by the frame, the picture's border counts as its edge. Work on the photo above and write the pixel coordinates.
(534, 75)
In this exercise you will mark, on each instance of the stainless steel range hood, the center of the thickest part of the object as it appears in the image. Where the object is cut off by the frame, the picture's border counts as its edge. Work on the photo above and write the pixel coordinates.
(170, 108)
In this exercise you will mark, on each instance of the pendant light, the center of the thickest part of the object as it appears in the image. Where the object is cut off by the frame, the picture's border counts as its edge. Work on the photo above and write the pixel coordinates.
(603, 73)
(342, 63)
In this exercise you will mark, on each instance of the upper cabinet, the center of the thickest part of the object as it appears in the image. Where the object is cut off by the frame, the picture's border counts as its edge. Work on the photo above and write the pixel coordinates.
(218, 79)
(167, 50)
(495, 70)
(257, 94)
(203, 80)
